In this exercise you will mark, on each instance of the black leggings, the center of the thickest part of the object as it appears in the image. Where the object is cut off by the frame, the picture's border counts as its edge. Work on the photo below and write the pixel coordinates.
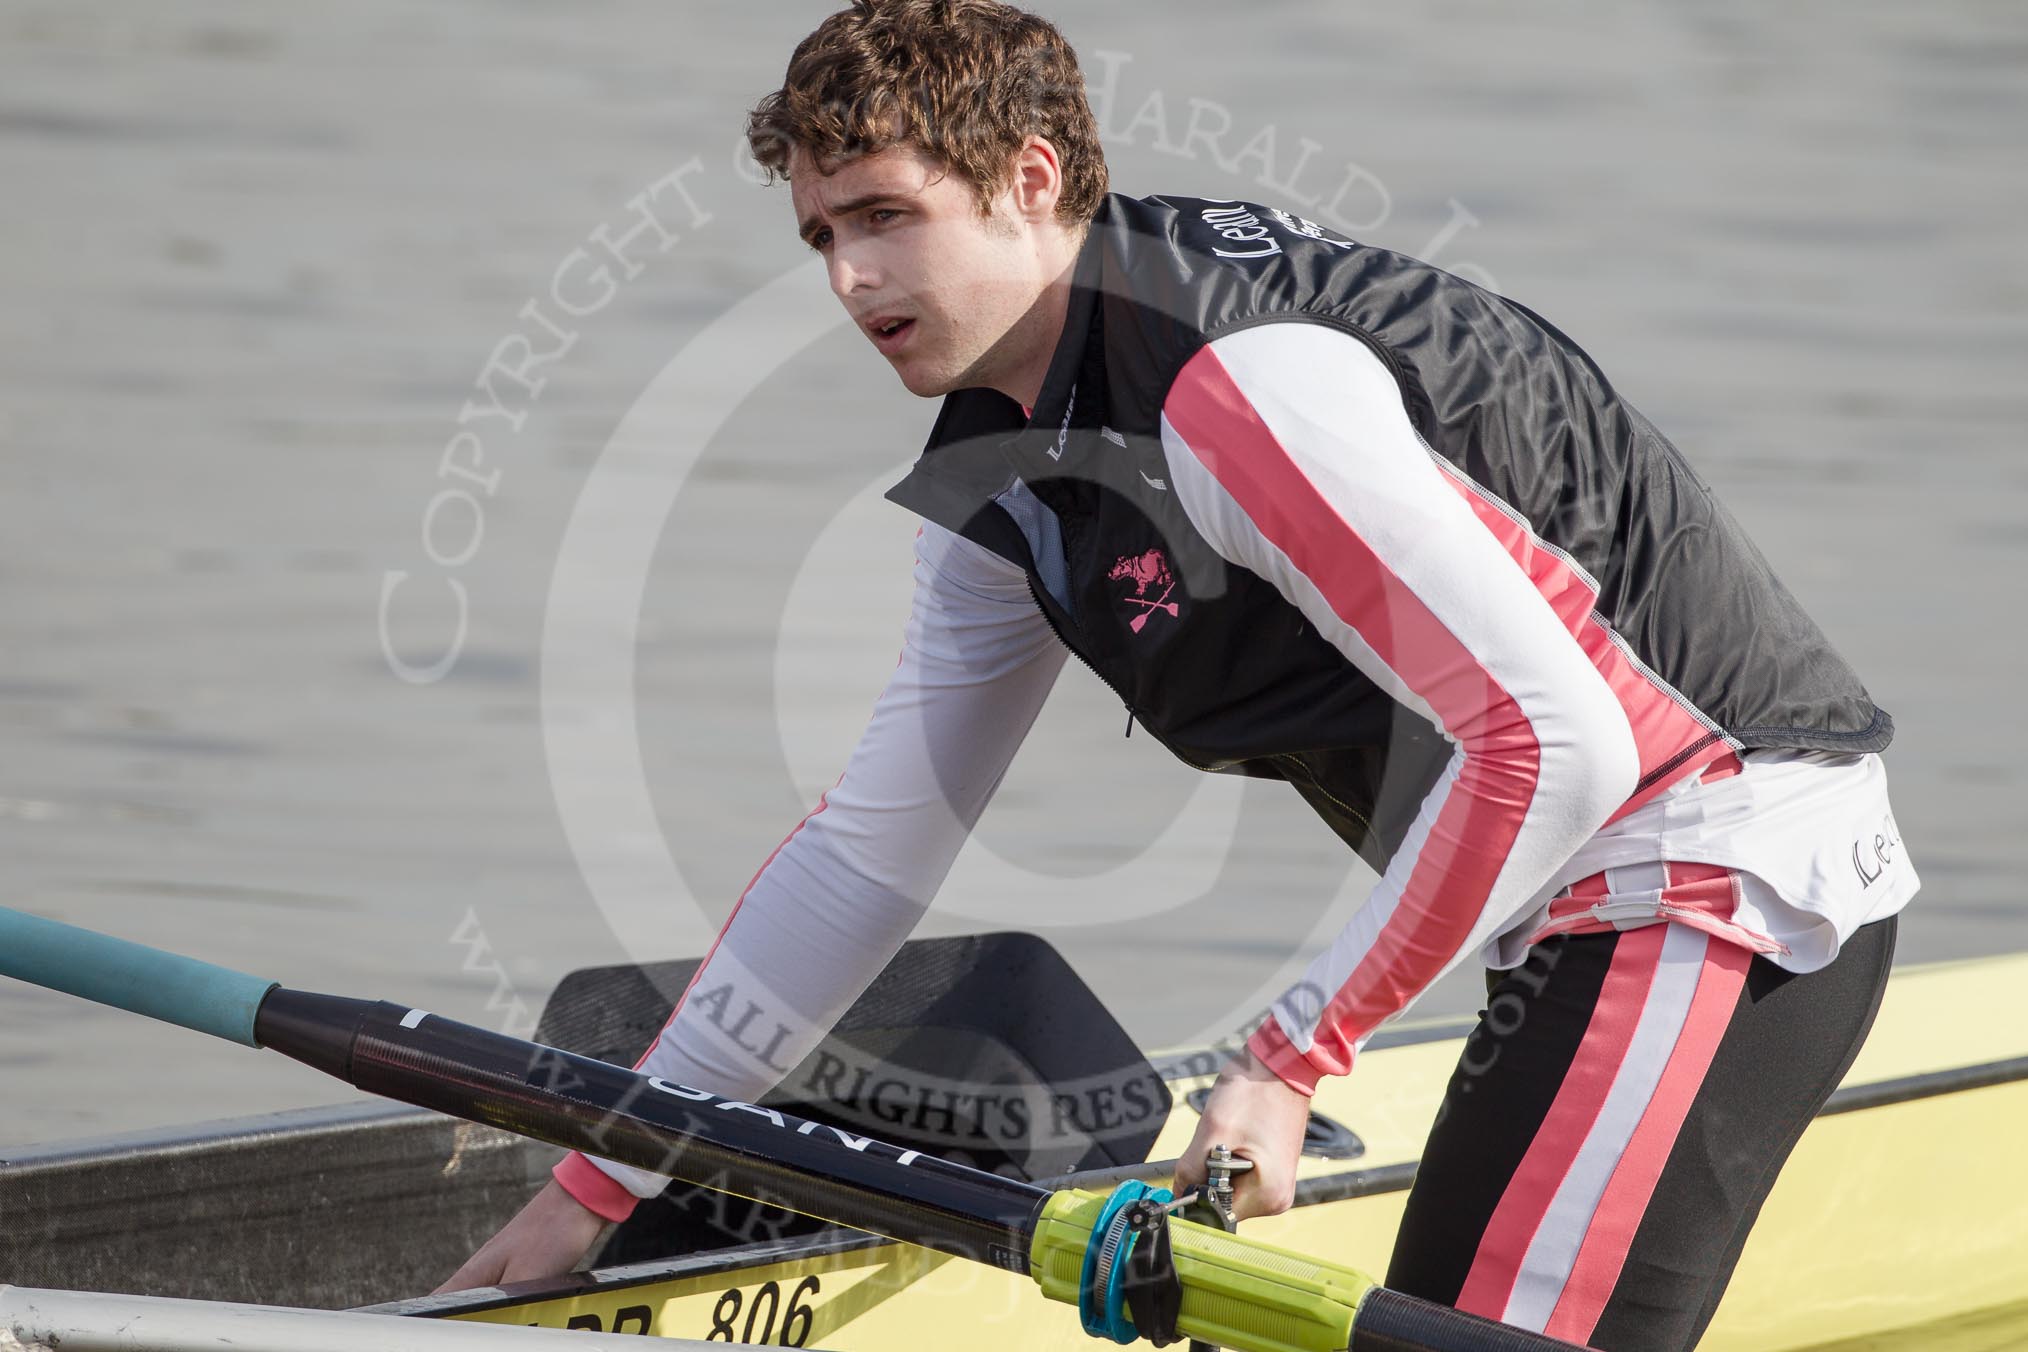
(1615, 1122)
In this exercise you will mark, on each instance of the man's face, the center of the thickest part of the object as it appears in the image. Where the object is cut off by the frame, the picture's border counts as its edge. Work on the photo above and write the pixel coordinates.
(939, 289)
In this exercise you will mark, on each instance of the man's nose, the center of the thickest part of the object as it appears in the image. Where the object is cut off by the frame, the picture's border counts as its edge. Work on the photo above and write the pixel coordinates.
(851, 272)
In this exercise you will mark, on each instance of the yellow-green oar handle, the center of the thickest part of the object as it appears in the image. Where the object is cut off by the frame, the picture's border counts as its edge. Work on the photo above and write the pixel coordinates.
(1237, 1293)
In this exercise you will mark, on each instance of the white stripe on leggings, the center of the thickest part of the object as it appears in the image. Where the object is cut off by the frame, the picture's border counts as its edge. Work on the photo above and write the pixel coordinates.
(1553, 1251)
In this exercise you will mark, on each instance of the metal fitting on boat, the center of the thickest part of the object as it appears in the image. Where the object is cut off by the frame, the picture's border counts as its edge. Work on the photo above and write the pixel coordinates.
(1219, 1167)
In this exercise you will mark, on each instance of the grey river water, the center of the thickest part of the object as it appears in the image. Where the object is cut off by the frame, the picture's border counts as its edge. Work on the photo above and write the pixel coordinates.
(266, 272)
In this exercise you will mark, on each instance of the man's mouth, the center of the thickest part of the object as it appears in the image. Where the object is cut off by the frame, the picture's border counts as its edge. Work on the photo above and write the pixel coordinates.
(890, 332)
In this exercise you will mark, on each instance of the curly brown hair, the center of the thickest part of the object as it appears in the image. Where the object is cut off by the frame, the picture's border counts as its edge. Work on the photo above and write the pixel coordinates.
(967, 82)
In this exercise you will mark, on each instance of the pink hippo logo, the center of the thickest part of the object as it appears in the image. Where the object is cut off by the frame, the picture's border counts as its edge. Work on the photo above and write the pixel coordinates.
(1148, 572)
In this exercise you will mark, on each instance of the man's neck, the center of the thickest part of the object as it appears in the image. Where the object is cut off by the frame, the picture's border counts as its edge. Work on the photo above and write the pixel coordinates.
(1037, 334)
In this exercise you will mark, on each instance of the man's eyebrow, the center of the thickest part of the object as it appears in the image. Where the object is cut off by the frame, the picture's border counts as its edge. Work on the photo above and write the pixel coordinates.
(811, 225)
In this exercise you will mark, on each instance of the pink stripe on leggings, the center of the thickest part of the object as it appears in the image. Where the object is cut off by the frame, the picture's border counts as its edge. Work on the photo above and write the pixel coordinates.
(1625, 1202)
(1497, 1264)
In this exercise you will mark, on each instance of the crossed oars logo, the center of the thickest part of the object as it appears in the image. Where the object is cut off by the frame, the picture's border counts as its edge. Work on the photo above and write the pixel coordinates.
(1147, 572)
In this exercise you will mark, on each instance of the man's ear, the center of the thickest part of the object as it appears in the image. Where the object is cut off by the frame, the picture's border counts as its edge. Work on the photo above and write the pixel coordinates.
(1036, 183)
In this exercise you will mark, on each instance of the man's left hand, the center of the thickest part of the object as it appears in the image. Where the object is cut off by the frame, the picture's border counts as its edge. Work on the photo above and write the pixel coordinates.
(1259, 1117)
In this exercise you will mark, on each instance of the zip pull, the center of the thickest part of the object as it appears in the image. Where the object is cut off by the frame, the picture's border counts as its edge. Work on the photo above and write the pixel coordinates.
(1130, 719)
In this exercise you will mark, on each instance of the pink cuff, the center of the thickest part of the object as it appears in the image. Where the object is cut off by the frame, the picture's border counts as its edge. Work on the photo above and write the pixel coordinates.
(595, 1190)
(1271, 1047)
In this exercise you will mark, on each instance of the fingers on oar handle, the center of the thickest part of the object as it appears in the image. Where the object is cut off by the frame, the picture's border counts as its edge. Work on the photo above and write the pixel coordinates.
(1391, 1322)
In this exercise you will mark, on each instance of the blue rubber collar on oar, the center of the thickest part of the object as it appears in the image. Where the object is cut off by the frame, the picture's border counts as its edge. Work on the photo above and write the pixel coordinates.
(1104, 1312)
(214, 1000)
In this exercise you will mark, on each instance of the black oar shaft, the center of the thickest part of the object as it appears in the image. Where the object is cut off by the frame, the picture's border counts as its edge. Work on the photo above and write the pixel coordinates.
(686, 1134)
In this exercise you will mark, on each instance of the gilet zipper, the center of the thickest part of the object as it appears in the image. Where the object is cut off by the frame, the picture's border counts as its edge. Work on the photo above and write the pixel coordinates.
(1076, 652)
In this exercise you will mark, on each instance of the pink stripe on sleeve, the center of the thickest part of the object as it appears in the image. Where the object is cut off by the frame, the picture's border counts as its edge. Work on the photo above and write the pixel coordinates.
(1271, 1047)
(1484, 808)
(1673, 742)
(595, 1190)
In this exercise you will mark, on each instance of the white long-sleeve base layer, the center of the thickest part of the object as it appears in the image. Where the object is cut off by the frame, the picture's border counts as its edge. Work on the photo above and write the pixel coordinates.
(834, 902)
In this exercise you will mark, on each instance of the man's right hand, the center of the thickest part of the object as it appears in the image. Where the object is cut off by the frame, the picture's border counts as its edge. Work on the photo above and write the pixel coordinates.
(546, 1238)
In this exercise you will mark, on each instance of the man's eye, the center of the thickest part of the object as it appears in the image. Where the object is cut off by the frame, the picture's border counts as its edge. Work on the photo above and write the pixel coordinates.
(884, 214)
(820, 239)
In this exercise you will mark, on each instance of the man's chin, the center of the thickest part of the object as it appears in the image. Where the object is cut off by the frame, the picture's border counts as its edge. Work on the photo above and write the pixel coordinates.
(934, 383)
(932, 374)
(926, 384)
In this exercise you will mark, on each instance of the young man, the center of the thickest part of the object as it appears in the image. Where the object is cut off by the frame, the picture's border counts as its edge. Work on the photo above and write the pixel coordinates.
(1322, 513)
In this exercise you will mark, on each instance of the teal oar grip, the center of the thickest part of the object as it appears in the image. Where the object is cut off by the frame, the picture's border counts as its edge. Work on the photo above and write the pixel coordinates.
(214, 1000)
